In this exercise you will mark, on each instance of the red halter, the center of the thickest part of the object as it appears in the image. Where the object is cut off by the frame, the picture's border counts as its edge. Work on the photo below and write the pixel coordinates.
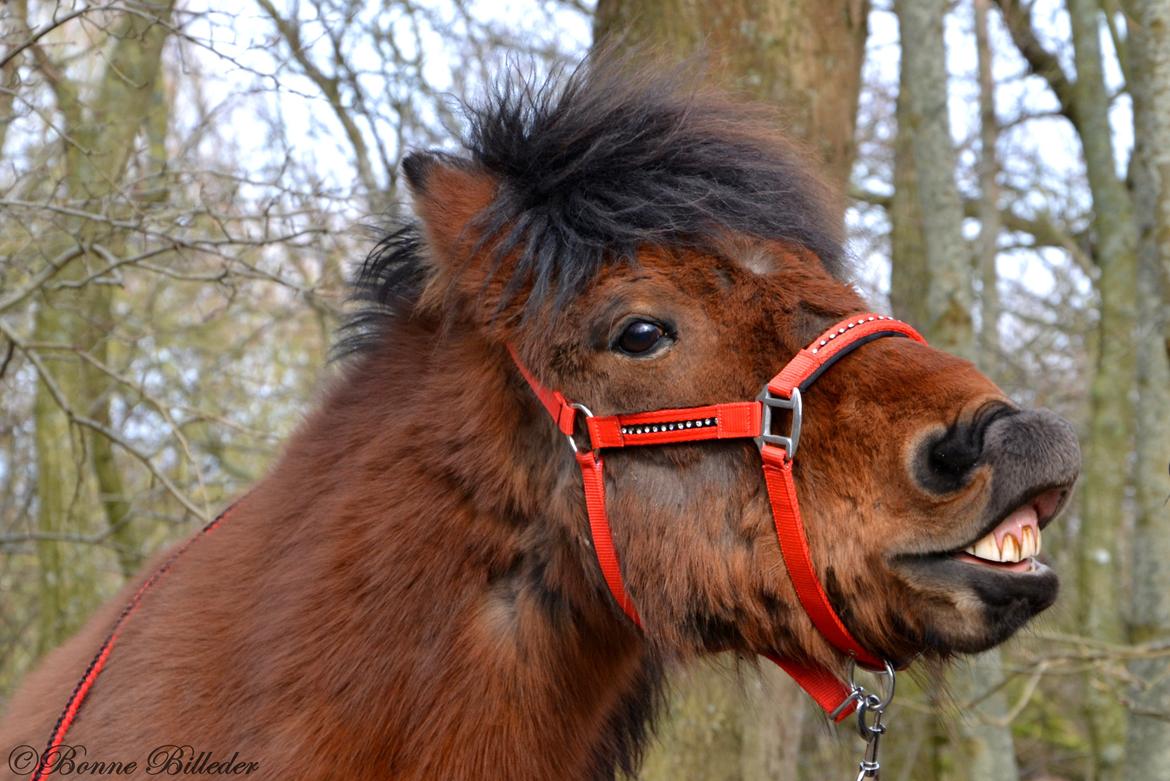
(737, 420)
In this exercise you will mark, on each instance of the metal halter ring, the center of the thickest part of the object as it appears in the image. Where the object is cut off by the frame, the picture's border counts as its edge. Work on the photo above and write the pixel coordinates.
(587, 413)
(886, 694)
(770, 402)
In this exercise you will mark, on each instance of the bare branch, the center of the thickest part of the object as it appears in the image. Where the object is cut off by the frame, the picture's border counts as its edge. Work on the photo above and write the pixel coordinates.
(36, 35)
(329, 86)
(81, 420)
(8, 353)
(1017, 16)
(1044, 229)
(41, 277)
(1112, 11)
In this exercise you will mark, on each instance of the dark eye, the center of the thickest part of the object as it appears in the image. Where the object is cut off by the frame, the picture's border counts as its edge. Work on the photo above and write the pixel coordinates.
(640, 337)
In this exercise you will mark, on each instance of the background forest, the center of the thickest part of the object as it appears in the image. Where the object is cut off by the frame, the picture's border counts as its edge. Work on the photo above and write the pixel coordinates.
(185, 186)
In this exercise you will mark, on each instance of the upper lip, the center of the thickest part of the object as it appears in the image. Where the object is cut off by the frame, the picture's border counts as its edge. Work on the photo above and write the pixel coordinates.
(1047, 500)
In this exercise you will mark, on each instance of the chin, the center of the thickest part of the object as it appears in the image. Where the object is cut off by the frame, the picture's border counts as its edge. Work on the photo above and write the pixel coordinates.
(977, 605)
(983, 590)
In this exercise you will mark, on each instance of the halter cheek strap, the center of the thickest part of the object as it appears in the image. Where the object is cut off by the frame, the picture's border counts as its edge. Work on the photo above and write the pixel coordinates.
(737, 420)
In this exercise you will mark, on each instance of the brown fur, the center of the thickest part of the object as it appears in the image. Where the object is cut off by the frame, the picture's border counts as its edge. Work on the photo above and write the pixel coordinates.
(411, 593)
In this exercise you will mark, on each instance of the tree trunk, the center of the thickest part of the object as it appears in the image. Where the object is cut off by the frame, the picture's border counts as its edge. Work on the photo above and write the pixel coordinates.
(1147, 752)
(987, 749)
(771, 732)
(124, 534)
(9, 77)
(909, 277)
(931, 283)
(703, 738)
(1106, 472)
(909, 272)
(804, 56)
(987, 745)
(948, 321)
(989, 218)
(63, 503)
(76, 472)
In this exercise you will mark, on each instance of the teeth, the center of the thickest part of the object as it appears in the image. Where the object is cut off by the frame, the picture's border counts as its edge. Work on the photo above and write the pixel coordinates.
(986, 549)
(1009, 548)
(1029, 542)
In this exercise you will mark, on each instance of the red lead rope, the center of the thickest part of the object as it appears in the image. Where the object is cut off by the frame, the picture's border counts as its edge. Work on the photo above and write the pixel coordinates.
(48, 758)
(736, 420)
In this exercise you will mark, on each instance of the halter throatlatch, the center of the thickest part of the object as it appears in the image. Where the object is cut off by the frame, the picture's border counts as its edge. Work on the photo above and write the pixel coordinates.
(742, 420)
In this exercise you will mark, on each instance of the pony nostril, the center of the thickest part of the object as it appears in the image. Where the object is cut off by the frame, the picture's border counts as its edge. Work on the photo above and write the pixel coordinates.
(948, 459)
(951, 457)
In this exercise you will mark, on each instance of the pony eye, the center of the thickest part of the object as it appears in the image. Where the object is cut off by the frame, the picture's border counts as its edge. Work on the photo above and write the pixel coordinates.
(640, 337)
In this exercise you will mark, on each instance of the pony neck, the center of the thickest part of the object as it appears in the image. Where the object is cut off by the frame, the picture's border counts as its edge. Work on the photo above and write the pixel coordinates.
(454, 594)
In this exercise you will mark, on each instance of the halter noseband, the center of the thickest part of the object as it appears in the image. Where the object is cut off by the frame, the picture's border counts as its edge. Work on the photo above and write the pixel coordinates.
(737, 420)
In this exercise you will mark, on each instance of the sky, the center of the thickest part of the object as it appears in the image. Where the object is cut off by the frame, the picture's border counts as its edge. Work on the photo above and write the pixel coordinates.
(1044, 144)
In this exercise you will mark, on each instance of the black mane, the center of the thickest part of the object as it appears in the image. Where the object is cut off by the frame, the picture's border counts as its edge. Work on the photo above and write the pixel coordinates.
(596, 165)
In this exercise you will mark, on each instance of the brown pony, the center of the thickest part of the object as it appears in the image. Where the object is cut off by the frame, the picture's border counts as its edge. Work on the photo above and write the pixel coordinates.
(412, 592)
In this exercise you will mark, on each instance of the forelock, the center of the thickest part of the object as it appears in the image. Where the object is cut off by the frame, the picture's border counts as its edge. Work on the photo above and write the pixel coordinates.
(594, 165)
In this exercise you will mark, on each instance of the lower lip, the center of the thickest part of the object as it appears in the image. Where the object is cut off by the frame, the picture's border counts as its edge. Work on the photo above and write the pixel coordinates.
(1027, 565)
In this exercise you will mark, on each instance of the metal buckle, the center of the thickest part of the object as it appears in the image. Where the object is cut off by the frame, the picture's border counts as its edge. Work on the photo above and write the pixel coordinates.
(771, 402)
(587, 413)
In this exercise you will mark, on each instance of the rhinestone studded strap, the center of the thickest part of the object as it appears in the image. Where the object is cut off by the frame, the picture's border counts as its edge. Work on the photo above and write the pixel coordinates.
(737, 420)
(733, 420)
(834, 344)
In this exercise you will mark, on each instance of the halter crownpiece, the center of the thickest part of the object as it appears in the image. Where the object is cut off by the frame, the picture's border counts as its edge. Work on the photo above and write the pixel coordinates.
(738, 420)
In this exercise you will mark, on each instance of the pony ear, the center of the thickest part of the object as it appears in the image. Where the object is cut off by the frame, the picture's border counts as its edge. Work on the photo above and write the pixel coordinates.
(448, 193)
